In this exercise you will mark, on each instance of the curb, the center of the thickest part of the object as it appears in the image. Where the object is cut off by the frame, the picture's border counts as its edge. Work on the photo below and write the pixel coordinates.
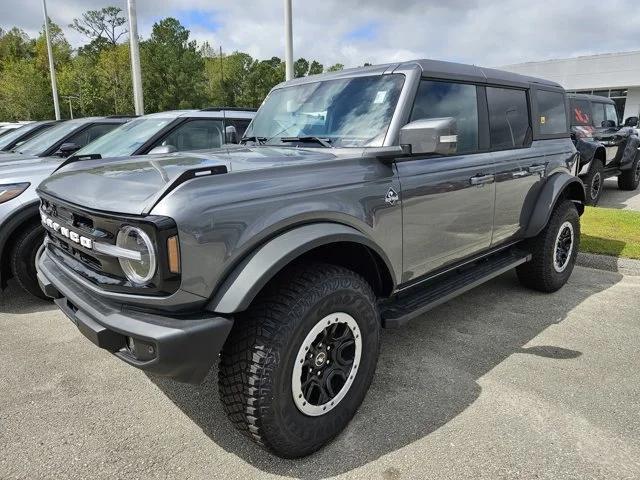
(625, 266)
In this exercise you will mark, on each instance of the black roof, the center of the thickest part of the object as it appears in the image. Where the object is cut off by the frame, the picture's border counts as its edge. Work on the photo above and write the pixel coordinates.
(438, 69)
(473, 73)
(590, 98)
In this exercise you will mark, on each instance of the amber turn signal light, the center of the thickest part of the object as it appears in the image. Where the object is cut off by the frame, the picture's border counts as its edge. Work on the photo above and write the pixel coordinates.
(173, 250)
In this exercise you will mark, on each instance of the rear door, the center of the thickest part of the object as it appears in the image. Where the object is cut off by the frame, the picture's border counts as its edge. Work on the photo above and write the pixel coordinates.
(447, 201)
(517, 164)
(521, 163)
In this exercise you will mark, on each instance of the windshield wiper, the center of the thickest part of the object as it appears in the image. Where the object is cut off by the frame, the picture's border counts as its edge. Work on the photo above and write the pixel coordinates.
(325, 142)
(258, 140)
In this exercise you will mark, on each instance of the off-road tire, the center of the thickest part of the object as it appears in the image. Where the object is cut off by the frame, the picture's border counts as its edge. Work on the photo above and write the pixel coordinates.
(23, 259)
(594, 182)
(257, 361)
(630, 179)
(539, 273)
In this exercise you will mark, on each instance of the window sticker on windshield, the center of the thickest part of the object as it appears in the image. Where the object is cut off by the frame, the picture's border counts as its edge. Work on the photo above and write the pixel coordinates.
(543, 120)
(380, 96)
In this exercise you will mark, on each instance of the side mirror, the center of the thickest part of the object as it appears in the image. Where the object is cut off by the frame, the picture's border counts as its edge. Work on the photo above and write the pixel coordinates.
(431, 135)
(230, 134)
(67, 149)
(609, 124)
(631, 122)
(163, 149)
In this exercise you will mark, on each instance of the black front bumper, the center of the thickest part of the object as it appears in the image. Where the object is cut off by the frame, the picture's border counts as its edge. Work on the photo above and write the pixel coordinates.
(182, 348)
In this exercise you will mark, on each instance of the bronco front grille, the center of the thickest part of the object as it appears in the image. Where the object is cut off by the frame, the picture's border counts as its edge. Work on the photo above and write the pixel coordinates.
(72, 233)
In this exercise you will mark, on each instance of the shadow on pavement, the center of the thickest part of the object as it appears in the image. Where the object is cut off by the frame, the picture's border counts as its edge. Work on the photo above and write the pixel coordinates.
(427, 374)
(613, 197)
(14, 300)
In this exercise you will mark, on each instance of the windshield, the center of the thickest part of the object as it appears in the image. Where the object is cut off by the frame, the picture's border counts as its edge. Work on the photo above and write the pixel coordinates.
(42, 142)
(350, 112)
(12, 135)
(126, 139)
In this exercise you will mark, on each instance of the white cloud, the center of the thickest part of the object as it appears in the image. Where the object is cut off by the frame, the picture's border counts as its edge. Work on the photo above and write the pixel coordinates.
(483, 32)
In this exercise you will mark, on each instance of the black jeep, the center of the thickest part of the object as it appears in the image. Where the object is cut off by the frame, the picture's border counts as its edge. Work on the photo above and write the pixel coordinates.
(607, 149)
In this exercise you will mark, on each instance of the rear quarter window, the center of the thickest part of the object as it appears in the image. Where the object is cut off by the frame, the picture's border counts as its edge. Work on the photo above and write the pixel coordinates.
(552, 113)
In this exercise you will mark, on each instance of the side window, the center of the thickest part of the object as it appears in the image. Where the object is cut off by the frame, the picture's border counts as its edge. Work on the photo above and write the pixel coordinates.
(241, 126)
(552, 113)
(598, 114)
(580, 113)
(611, 112)
(508, 118)
(90, 134)
(437, 99)
(196, 135)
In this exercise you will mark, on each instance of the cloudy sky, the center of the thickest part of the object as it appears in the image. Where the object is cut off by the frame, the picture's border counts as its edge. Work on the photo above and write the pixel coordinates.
(352, 32)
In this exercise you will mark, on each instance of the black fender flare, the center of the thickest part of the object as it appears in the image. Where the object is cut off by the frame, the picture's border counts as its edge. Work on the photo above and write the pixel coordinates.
(249, 277)
(556, 185)
(588, 150)
(7, 229)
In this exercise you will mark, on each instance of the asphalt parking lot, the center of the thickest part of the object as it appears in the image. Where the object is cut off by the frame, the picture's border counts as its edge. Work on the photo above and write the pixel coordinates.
(499, 383)
(613, 197)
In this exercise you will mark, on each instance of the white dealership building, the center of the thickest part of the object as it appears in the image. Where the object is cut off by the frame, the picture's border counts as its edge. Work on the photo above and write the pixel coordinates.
(613, 75)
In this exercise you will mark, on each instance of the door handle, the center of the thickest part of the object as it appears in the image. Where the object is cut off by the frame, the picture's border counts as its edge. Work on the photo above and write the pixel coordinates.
(482, 179)
(536, 168)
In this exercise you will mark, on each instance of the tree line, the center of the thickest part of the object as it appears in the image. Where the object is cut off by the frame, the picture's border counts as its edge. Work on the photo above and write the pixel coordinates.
(95, 79)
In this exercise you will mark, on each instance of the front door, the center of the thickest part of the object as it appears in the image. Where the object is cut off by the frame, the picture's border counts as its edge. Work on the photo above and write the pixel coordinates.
(447, 201)
(605, 119)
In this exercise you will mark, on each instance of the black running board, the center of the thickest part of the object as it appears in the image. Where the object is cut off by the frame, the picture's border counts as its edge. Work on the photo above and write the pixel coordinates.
(423, 298)
(611, 172)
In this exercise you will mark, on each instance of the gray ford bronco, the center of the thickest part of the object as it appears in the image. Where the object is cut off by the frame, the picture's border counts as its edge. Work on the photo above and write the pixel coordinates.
(357, 200)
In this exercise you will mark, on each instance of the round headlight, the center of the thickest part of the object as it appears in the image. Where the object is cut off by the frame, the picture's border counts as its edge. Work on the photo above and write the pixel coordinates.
(140, 271)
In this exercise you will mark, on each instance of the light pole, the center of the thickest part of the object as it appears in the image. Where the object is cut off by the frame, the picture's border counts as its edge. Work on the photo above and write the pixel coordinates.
(136, 76)
(288, 40)
(69, 98)
(52, 68)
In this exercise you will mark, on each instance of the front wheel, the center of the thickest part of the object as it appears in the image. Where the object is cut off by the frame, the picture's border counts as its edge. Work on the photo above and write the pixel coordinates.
(630, 179)
(299, 362)
(594, 182)
(23, 259)
(554, 251)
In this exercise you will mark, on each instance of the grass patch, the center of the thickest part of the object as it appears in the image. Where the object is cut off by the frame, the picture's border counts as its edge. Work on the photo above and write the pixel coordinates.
(611, 232)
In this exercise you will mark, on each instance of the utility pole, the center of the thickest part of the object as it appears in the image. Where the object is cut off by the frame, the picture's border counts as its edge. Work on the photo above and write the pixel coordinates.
(136, 75)
(222, 77)
(288, 40)
(52, 68)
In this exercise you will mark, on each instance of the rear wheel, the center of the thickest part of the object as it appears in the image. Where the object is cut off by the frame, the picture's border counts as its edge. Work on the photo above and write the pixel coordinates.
(23, 259)
(630, 179)
(594, 182)
(299, 362)
(554, 251)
